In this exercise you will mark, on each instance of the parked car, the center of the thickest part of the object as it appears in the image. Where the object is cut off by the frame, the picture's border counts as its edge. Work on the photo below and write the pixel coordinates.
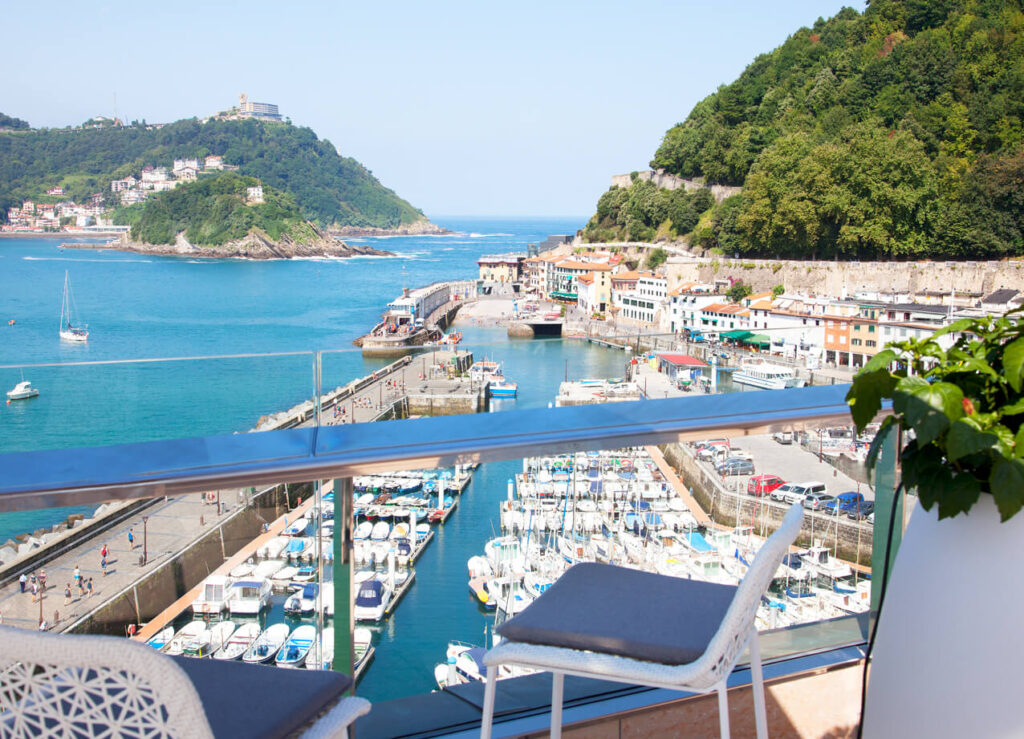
(845, 502)
(764, 484)
(795, 492)
(735, 466)
(867, 508)
(817, 501)
(783, 437)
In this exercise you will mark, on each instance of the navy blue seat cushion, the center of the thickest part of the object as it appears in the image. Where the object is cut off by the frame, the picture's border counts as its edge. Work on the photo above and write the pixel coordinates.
(257, 701)
(629, 613)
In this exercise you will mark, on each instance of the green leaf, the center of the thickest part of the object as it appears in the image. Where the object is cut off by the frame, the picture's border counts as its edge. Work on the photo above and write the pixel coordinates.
(1007, 483)
(1013, 363)
(961, 491)
(965, 439)
(882, 360)
(928, 408)
(963, 324)
(866, 394)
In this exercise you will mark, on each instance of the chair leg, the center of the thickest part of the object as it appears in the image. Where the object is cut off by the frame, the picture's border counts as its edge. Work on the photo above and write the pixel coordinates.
(488, 711)
(723, 710)
(757, 685)
(557, 679)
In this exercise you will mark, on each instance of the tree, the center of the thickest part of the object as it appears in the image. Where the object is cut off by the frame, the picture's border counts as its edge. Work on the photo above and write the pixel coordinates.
(738, 291)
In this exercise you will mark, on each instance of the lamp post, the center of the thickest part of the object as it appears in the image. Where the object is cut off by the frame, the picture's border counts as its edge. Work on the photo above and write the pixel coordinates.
(145, 541)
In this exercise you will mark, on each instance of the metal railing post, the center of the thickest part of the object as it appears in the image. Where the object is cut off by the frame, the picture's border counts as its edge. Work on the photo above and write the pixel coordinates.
(886, 480)
(344, 650)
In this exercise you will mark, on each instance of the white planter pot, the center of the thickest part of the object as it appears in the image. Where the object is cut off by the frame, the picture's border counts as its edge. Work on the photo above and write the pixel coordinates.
(950, 642)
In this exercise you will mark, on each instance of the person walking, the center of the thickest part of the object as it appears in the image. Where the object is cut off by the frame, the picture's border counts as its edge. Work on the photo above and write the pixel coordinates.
(67, 594)
(23, 580)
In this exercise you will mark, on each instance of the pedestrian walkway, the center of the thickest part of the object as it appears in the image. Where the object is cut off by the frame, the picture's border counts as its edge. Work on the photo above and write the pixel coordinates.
(172, 525)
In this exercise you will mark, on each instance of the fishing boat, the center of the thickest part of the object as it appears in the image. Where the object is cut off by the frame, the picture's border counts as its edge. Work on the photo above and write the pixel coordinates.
(267, 644)
(239, 642)
(22, 391)
(68, 331)
(213, 598)
(250, 596)
(160, 640)
(220, 633)
(296, 648)
(766, 376)
(187, 633)
(372, 600)
(304, 601)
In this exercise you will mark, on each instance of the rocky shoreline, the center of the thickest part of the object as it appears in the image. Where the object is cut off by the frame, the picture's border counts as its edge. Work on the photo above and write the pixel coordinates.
(256, 245)
(419, 228)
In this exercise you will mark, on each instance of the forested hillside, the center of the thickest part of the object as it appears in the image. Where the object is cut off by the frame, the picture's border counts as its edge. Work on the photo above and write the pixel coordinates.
(213, 211)
(893, 133)
(330, 189)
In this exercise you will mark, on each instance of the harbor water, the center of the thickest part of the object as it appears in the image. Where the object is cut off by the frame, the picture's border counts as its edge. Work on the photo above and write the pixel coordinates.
(146, 307)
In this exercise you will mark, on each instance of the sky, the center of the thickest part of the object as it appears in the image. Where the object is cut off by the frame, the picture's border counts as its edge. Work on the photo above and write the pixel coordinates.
(462, 108)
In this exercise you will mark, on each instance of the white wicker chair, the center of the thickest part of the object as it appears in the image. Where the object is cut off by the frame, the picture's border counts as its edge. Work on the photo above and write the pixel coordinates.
(709, 672)
(83, 686)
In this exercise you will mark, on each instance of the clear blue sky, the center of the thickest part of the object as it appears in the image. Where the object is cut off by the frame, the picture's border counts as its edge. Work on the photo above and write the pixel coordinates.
(468, 108)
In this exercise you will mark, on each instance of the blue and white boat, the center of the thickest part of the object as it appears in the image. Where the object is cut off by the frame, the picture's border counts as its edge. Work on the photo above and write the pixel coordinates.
(296, 648)
(304, 601)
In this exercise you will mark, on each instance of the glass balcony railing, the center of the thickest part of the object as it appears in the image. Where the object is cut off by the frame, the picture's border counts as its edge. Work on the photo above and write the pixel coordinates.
(364, 531)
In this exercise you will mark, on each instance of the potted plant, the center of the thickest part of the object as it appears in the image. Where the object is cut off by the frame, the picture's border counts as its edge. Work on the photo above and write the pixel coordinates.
(949, 638)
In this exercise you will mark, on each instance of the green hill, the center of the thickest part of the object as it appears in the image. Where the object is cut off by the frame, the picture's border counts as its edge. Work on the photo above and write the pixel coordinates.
(330, 190)
(213, 211)
(893, 133)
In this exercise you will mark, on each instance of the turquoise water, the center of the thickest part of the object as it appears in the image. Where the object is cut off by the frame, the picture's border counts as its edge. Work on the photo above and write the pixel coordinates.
(142, 307)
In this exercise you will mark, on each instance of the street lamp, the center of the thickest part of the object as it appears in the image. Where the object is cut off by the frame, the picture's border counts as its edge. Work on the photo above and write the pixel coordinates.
(145, 540)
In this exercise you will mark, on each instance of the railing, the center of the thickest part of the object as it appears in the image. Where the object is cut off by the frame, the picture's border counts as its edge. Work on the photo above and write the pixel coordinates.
(79, 476)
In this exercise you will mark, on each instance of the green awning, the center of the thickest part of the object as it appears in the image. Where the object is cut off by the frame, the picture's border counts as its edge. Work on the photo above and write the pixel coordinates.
(761, 341)
(736, 335)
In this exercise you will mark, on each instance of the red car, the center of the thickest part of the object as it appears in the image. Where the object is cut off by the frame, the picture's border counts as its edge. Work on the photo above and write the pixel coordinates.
(764, 484)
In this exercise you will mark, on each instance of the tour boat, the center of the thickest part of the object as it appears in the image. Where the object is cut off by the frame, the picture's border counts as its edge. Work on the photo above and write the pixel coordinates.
(766, 376)
(213, 598)
(296, 648)
(68, 331)
(22, 391)
(239, 642)
(267, 644)
(249, 596)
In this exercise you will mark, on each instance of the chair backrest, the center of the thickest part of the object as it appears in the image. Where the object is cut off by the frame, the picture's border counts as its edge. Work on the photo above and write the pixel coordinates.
(726, 645)
(64, 685)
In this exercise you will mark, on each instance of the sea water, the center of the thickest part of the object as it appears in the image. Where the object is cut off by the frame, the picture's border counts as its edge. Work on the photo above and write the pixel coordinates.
(143, 308)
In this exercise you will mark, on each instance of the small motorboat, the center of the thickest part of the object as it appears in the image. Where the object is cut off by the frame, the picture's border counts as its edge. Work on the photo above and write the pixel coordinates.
(304, 601)
(220, 633)
(160, 640)
(372, 600)
(188, 632)
(267, 644)
(296, 648)
(239, 642)
(22, 391)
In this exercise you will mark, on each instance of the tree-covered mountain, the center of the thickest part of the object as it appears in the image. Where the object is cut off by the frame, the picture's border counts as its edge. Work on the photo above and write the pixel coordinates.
(893, 133)
(330, 189)
(213, 211)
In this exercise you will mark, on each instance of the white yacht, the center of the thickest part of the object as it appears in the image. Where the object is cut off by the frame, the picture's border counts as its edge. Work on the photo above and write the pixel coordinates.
(22, 391)
(767, 376)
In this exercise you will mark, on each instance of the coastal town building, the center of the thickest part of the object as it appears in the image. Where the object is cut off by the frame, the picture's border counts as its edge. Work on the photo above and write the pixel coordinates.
(501, 267)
